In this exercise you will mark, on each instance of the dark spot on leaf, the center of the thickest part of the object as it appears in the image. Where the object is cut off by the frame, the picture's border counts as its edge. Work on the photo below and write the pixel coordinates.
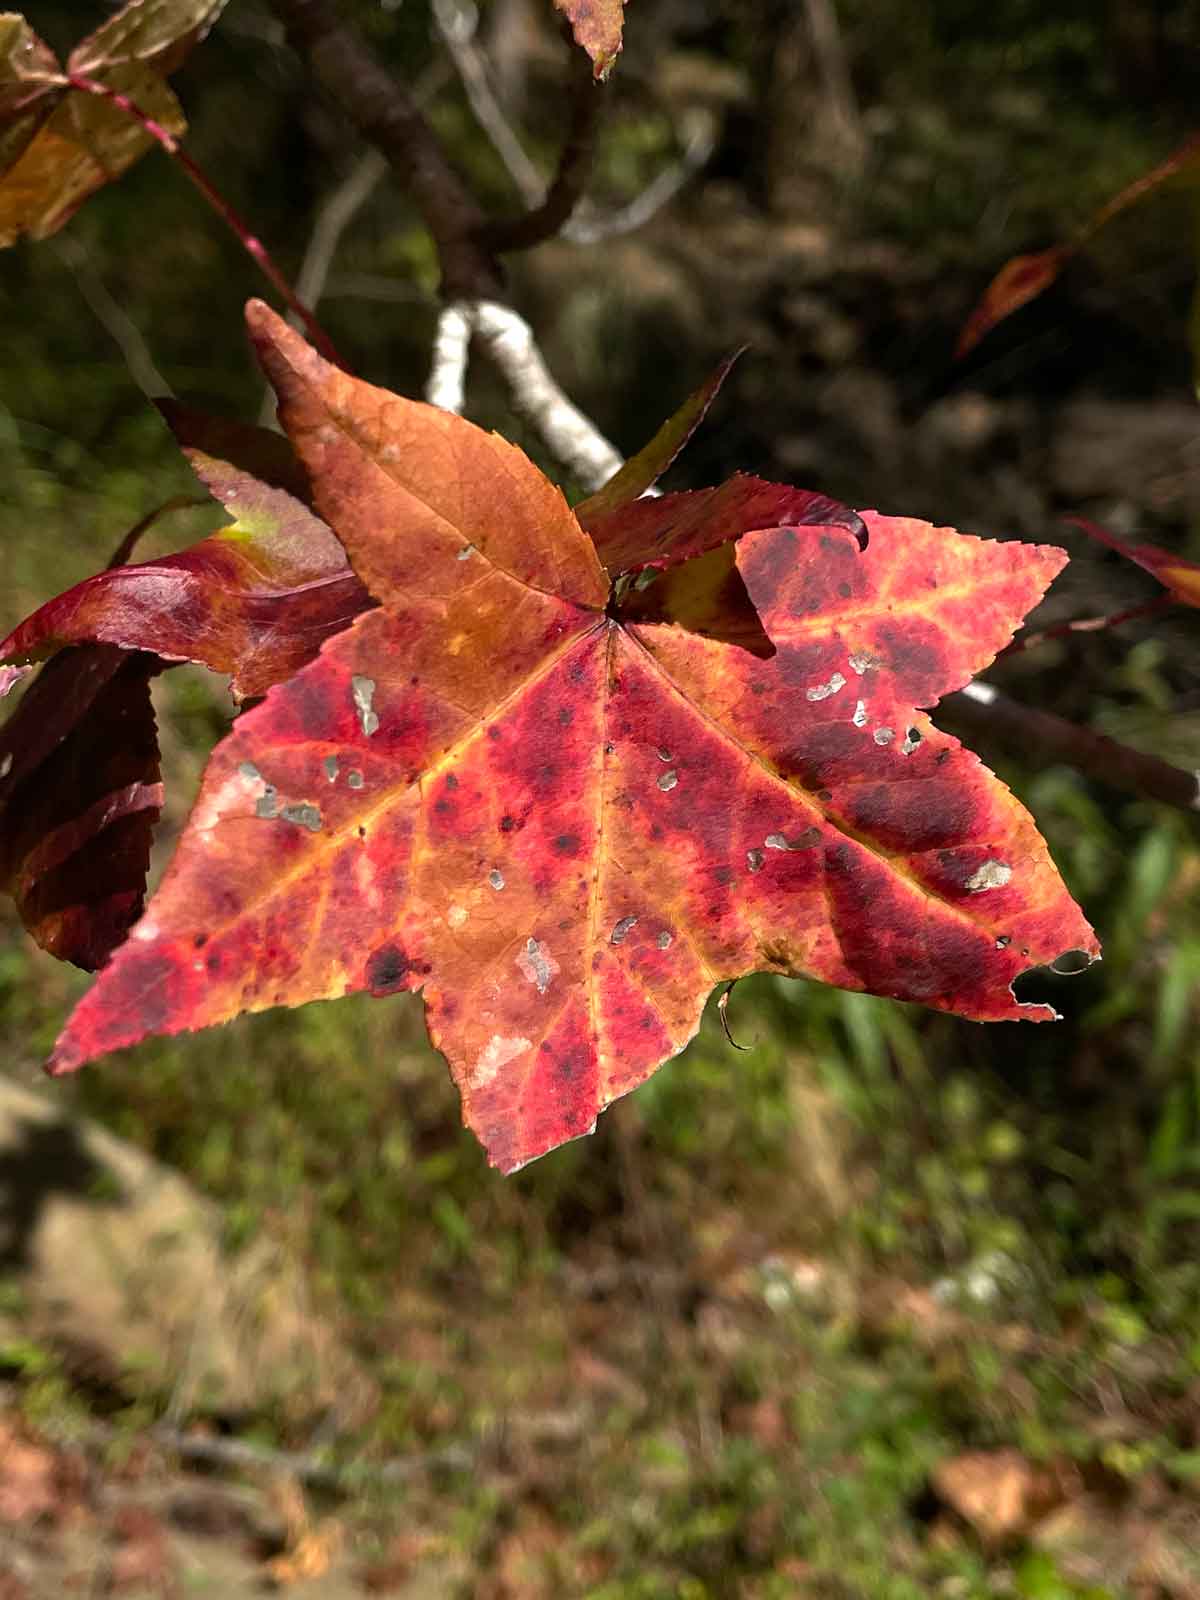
(387, 970)
(566, 715)
(724, 874)
(845, 590)
(567, 843)
(451, 781)
(493, 732)
(213, 961)
(200, 941)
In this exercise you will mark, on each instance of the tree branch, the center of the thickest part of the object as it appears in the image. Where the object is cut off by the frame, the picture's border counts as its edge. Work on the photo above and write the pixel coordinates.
(451, 348)
(387, 115)
(992, 714)
(574, 168)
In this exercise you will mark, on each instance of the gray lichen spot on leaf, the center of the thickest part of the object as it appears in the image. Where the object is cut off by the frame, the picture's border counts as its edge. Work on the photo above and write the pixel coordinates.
(267, 804)
(496, 878)
(755, 859)
(330, 764)
(467, 551)
(802, 841)
(664, 754)
(536, 965)
(822, 691)
(621, 930)
(249, 770)
(363, 691)
(991, 875)
(668, 780)
(884, 735)
(664, 940)
(354, 778)
(859, 719)
(304, 816)
(911, 740)
(863, 661)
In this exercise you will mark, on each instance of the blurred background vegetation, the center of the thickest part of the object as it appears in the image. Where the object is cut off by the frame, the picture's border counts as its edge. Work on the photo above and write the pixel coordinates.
(813, 1318)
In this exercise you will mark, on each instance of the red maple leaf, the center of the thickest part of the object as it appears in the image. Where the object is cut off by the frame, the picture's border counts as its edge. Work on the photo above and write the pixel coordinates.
(565, 822)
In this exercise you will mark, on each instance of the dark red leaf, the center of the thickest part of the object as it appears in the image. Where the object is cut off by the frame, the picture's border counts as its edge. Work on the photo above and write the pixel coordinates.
(254, 600)
(670, 528)
(79, 797)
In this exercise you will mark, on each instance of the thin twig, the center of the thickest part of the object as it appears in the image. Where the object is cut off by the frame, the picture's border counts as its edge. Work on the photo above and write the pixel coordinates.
(573, 438)
(458, 21)
(591, 226)
(987, 711)
(113, 318)
(1063, 630)
(335, 214)
(248, 240)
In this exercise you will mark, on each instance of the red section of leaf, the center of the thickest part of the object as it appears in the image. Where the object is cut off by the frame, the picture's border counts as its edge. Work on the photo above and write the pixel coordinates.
(57, 147)
(1181, 577)
(79, 797)
(254, 600)
(1020, 280)
(258, 453)
(671, 528)
(644, 470)
(1025, 277)
(597, 26)
(566, 829)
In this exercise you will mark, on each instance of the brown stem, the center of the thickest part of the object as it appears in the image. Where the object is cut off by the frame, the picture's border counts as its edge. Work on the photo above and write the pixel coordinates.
(249, 241)
(387, 116)
(989, 713)
(574, 168)
(1062, 630)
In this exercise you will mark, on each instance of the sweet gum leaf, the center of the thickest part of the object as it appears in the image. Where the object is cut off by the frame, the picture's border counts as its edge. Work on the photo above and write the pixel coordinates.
(565, 827)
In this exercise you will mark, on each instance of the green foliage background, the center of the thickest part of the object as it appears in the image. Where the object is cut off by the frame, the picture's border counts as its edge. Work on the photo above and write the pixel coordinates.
(785, 1284)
